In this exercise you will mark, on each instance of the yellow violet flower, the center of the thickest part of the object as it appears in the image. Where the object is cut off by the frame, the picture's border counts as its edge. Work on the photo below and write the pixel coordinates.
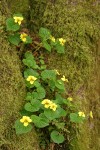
(70, 98)
(62, 41)
(18, 20)
(25, 120)
(46, 103)
(64, 79)
(57, 72)
(52, 38)
(91, 114)
(81, 114)
(23, 37)
(53, 106)
(31, 79)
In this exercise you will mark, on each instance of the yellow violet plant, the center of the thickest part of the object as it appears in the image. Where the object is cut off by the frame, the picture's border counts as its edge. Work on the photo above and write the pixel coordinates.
(46, 104)
(41, 83)
(48, 42)
(14, 24)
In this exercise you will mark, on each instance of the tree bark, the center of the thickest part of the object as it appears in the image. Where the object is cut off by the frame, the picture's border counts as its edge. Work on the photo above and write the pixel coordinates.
(12, 91)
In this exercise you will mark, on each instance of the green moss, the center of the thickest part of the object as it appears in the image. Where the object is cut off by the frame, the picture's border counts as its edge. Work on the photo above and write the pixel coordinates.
(19, 6)
(37, 8)
(12, 93)
(78, 23)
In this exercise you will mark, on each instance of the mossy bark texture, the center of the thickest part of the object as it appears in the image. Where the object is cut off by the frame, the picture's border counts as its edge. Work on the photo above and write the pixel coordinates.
(77, 22)
(12, 94)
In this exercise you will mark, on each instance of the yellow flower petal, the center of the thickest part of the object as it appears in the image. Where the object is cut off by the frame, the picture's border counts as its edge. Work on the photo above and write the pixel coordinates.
(57, 72)
(26, 124)
(53, 106)
(19, 22)
(64, 79)
(29, 120)
(21, 120)
(81, 114)
(31, 82)
(70, 98)
(91, 114)
(18, 19)
(46, 101)
(23, 36)
(52, 38)
(47, 105)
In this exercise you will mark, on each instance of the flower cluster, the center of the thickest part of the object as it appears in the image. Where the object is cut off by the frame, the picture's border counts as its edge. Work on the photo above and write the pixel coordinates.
(62, 41)
(18, 19)
(25, 120)
(31, 79)
(81, 114)
(23, 37)
(49, 104)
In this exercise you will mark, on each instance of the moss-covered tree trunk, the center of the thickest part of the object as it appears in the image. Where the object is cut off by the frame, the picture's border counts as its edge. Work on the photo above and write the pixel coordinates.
(78, 23)
(12, 89)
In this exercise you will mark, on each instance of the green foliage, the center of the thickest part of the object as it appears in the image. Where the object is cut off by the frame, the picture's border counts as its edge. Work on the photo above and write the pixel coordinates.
(43, 84)
(60, 112)
(60, 48)
(28, 40)
(14, 39)
(33, 106)
(57, 137)
(40, 93)
(46, 46)
(20, 129)
(14, 24)
(45, 112)
(48, 42)
(11, 25)
(48, 74)
(29, 61)
(39, 121)
(74, 117)
(44, 34)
